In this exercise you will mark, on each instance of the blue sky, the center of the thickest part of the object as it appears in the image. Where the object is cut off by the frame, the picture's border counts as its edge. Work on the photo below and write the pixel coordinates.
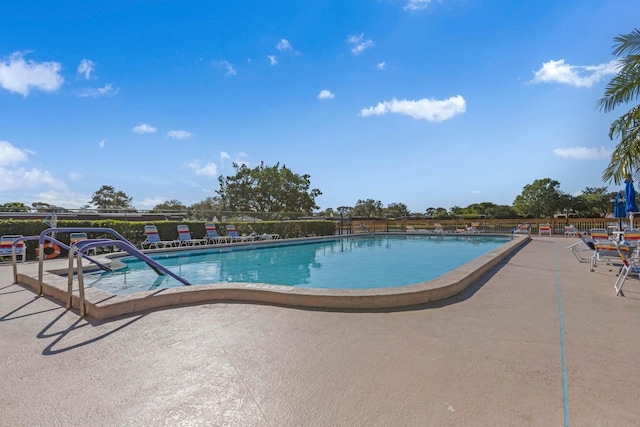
(427, 103)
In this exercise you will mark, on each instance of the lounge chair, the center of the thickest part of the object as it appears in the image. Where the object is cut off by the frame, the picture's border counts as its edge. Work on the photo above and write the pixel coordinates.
(607, 251)
(584, 246)
(570, 231)
(185, 239)
(473, 228)
(438, 228)
(524, 228)
(235, 237)
(153, 241)
(544, 229)
(6, 246)
(632, 238)
(599, 235)
(630, 265)
(269, 236)
(212, 235)
(75, 238)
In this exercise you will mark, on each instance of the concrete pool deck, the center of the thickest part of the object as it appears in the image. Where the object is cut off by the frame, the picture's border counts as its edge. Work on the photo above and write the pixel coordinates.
(537, 341)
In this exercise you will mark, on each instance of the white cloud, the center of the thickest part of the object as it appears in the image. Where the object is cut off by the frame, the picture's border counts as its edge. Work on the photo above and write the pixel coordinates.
(143, 128)
(93, 92)
(10, 155)
(207, 169)
(179, 134)
(151, 202)
(417, 4)
(18, 75)
(574, 75)
(14, 179)
(86, 67)
(381, 66)
(226, 65)
(284, 46)
(359, 44)
(325, 94)
(102, 142)
(582, 153)
(74, 176)
(431, 110)
(272, 59)
(19, 178)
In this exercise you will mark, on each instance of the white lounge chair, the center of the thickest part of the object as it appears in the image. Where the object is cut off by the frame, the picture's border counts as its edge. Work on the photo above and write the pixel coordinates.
(153, 239)
(185, 239)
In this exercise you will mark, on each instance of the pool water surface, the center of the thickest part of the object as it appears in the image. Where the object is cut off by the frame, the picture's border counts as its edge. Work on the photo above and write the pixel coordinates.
(341, 263)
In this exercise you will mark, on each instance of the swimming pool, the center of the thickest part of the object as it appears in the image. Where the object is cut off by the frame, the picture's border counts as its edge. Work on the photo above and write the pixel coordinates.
(369, 262)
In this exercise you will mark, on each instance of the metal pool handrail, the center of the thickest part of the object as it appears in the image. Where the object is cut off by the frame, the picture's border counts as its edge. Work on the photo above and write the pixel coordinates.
(49, 239)
(122, 243)
(83, 246)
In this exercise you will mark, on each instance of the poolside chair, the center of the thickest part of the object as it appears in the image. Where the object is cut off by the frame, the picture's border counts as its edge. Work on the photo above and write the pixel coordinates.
(212, 234)
(473, 228)
(599, 235)
(524, 228)
(570, 231)
(438, 228)
(544, 229)
(269, 236)
(185, 239)
(6, 246)
(232, 231)
(75, 238)
(153, 241)
(630, 265)
(609, 252)
(584, 246)
(632, 238)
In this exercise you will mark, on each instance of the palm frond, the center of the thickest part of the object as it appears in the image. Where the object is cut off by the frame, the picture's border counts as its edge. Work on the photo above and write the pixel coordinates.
(627, 43)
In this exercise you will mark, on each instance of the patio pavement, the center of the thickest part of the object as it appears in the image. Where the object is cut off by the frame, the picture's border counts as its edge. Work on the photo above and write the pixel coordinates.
(540, 341)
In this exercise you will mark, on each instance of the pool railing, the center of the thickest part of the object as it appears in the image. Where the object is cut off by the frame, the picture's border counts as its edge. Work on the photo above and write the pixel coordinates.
(78, 250)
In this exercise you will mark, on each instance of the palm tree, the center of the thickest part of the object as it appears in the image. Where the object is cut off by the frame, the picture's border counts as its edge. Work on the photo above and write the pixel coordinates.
(624, 88)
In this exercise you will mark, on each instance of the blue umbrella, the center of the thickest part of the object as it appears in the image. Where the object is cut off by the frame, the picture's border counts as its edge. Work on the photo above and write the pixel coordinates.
(630, 198)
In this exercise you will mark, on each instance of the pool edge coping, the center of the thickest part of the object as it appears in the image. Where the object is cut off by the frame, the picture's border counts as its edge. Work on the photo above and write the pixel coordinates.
(102, 305)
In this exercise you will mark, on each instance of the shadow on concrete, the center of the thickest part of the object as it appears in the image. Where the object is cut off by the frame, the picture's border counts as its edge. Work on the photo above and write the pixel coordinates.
(79, 323)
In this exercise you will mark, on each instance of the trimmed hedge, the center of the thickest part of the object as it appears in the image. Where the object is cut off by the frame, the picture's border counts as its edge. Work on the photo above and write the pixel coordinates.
(134, 231)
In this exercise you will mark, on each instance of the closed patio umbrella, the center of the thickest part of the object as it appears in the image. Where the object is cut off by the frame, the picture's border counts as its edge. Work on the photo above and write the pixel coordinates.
(630, 198)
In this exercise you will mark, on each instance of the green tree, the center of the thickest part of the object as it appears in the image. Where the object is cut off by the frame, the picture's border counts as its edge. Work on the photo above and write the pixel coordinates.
(344, 211)
(207, 209)
(437, 213)
(396, 210)
(108, 198)
(169, 206)
(593, 202)
(368, 208)
(623, 89)
(269, 189)
(542, 199)
(14, 207)
(46, 207)
(500, 212)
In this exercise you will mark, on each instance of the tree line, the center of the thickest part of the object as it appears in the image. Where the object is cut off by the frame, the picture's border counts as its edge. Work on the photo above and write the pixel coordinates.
(276, 192)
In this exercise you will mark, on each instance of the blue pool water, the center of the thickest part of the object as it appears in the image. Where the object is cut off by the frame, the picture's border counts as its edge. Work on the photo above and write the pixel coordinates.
(342, 263)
